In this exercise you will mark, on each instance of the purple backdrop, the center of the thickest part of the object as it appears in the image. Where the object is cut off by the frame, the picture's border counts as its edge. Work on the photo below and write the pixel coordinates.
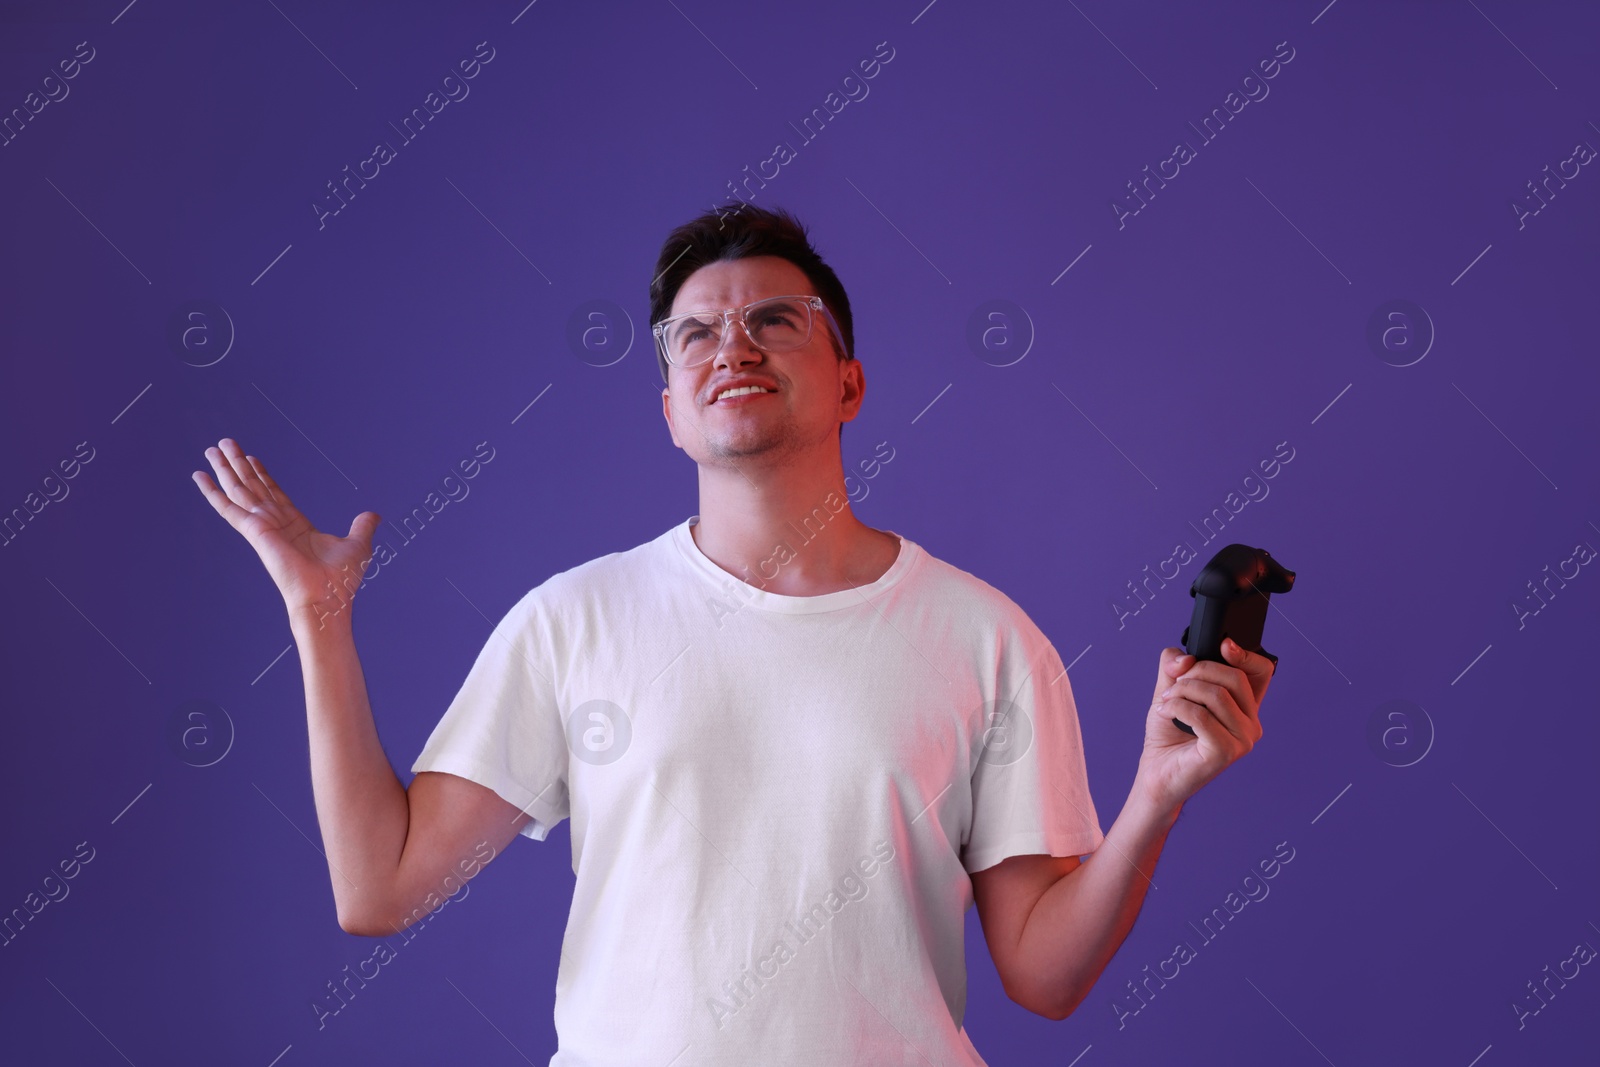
(1363, 269)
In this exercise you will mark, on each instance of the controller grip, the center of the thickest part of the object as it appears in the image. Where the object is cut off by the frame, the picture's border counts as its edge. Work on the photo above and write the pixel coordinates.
(1231, 595)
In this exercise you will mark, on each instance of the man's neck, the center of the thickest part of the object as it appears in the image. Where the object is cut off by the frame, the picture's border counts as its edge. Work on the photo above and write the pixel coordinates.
(789, 529)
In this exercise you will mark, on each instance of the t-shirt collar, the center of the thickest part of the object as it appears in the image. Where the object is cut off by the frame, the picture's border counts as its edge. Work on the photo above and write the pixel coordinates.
(754, 596)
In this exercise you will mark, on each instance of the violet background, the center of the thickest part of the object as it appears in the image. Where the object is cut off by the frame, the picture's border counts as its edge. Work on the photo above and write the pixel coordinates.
(1229, 315)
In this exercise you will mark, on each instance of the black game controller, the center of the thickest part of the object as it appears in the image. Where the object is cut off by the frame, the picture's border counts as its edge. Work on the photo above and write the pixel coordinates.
(1230, 600)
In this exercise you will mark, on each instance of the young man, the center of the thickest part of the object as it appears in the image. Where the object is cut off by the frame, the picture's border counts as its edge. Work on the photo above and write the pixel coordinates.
(795, 749)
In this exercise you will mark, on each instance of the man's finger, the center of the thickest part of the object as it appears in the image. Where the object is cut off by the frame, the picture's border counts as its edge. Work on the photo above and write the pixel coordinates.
(1174, 661)
(219, 500)
(1202, 719)
(1218, 701)
(267, 480)
(1256, 667)
(1245, 690)
(243, 469)
(228, 479)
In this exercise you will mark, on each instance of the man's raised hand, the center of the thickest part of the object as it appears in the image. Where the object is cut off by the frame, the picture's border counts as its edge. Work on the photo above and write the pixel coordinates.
(316, 573)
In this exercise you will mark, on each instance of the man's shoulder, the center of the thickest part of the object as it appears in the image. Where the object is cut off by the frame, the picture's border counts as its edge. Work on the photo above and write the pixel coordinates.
(959, 590)
(608, 574)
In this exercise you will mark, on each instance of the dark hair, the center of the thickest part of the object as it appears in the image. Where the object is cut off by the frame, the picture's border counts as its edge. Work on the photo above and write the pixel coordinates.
(738, 234)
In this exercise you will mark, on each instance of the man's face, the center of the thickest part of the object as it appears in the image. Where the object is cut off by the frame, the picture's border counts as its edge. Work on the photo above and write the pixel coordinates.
(813, 391)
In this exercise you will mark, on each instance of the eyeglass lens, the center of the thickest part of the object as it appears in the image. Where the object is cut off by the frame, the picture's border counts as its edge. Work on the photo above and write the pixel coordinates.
(775, 325)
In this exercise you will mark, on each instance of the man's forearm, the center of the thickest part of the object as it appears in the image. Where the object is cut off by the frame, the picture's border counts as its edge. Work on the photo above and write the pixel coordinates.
(361, 806)
(1081, 920)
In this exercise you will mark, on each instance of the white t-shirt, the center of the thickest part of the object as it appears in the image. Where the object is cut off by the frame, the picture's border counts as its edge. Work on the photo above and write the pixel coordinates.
(775, 800)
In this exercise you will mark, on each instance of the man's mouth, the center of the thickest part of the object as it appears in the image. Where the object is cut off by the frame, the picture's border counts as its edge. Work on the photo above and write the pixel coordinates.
(742, 391)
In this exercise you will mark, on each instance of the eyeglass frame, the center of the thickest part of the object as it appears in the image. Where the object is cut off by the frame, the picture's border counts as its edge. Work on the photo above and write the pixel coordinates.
(813, 302)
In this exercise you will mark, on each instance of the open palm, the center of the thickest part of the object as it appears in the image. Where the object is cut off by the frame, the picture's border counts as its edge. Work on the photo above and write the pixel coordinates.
(303, 562)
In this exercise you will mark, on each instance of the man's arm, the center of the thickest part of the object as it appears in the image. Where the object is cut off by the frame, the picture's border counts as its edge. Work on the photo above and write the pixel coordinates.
(393, 854)
(388, 850)
(1053, 923)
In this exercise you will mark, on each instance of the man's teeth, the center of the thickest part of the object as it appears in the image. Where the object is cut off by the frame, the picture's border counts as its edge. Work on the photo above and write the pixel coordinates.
(742, 391)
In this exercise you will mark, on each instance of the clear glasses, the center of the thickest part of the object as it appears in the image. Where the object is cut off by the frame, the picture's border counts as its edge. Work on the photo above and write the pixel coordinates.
(773, 324)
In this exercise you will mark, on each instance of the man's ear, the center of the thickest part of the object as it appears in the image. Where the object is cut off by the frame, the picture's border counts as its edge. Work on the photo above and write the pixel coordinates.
(666, 413)
(852, 388)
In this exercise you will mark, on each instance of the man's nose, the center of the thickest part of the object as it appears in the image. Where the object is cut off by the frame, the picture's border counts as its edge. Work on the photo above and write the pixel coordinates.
(737, 347)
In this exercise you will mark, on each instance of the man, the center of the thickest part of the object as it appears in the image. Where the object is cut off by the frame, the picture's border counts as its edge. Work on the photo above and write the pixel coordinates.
(794, 748)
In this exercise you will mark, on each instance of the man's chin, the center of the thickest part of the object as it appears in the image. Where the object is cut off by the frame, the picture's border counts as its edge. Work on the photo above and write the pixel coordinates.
(747, 446)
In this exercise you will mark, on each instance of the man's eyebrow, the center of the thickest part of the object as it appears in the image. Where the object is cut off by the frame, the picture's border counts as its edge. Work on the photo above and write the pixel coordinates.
(707, 312)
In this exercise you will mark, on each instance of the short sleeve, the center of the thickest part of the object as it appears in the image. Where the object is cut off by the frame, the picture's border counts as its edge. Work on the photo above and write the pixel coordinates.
(504, 729)
(1030, 785)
